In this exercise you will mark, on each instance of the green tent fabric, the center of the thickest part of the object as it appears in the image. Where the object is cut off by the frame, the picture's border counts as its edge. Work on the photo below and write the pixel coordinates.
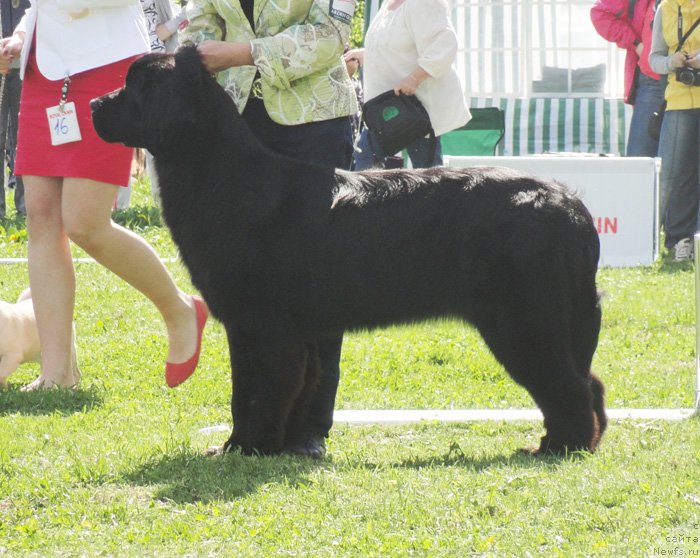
(538, 125)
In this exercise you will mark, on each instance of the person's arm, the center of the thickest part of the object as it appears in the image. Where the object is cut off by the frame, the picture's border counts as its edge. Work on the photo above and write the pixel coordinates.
(304, 49)
(205, 23)
(606, 16)
(207, 30)
(174, 23)
(659, 58)
(435, 39)
(11, 47)
(296, 52)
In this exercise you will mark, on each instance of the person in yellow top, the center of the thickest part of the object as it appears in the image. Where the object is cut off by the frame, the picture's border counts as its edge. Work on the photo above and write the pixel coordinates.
(281, 62)
(675, 52)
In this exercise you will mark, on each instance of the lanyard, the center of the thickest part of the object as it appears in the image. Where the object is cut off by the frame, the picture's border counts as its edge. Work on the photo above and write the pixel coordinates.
(64, 93)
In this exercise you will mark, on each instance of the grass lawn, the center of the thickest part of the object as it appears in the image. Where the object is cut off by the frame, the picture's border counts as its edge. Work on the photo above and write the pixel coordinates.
(116, 468)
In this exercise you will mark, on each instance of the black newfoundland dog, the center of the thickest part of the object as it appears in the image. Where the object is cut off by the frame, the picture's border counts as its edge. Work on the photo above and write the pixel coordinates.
(286, 252)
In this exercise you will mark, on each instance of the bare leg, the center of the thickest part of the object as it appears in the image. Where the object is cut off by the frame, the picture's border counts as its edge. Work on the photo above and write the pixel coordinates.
(52, 280)
(80, 209)
(86, 210)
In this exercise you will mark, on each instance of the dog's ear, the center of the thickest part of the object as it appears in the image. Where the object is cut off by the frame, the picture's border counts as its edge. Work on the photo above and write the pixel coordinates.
(189, 71)
(173, 116)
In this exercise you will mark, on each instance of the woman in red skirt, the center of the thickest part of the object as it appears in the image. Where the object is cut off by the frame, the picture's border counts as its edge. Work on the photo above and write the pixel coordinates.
(71, 52)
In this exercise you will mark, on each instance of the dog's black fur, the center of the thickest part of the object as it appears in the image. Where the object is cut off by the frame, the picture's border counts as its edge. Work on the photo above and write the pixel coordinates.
(286, 252)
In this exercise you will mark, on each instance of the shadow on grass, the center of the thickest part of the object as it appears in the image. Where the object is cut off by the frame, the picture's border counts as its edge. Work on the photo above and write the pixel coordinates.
(195, 478)
(45, 402)
(189, 477)
(522, 459)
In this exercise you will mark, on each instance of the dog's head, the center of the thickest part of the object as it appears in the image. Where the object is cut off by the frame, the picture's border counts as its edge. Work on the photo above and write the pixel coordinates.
(165, 105)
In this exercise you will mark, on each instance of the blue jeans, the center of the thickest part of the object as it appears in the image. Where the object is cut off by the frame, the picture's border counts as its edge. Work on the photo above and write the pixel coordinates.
(649, 96)
(679, 149)
(327, 143)
(369, 153)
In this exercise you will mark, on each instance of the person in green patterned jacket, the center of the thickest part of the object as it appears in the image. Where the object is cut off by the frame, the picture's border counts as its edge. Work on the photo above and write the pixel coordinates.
(292, 58)
(281, 62)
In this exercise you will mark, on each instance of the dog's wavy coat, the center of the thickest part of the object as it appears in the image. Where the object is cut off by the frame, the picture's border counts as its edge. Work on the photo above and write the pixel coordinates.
(286, 253)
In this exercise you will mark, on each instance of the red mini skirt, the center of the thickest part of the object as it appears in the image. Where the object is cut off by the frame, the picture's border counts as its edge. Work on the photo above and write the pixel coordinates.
(90, 157)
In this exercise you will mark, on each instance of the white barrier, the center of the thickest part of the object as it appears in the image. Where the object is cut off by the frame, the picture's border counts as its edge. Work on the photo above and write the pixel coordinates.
(620, 192)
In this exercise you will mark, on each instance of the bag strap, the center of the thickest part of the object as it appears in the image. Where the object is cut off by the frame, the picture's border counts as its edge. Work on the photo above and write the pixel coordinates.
(681, 37)
(433, 146)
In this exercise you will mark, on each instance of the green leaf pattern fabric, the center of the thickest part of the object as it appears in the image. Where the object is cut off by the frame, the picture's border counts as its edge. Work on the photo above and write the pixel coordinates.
(297, 49)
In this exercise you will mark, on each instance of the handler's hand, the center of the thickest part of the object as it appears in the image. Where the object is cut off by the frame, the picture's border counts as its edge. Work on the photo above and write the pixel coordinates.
(10, 48)
(221, 55)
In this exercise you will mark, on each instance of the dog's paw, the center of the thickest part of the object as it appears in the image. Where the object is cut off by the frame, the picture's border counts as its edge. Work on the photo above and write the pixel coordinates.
(212, 451)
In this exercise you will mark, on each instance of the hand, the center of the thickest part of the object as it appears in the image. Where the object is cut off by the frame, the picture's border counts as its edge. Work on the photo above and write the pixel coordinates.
(638, 49)
(352, 65)
(410, 83)
(407, 85)
(10, 48)
(221, 55)
(693, 60)
(162, 32)
(353, 59)
(678, 60)
(357, 54)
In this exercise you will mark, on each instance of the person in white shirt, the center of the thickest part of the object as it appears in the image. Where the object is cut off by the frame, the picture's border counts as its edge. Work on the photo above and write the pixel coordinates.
(72, 51)
(410, 47)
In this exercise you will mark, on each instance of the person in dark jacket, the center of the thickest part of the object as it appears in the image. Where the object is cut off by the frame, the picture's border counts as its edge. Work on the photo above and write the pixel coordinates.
(11, 11)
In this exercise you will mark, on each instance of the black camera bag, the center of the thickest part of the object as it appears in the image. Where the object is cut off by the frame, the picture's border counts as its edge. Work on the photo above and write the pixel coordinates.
(396, 120)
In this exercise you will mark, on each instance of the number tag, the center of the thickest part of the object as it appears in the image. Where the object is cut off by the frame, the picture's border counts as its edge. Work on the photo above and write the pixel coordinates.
(63, 125)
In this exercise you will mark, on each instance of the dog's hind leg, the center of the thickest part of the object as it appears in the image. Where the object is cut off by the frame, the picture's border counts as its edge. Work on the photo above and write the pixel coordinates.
(296, 421)
(584, 339)
(538, 356)
(267, 377)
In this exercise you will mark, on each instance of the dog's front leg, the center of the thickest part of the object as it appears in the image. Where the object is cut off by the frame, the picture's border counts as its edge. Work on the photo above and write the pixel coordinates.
(8, 364)
(267, 378)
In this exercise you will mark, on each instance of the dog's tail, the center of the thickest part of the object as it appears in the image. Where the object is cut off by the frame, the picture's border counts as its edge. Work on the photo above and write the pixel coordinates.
(26, 294)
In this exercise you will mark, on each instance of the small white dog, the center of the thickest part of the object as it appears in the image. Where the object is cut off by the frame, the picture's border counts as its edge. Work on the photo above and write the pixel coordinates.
(19, 337)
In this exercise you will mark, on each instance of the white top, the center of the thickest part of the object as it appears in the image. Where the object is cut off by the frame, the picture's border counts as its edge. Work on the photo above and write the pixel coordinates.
(78, 35)
(418, 32)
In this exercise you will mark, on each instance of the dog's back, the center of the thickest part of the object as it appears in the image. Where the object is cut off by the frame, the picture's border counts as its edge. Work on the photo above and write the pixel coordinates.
(404, 246)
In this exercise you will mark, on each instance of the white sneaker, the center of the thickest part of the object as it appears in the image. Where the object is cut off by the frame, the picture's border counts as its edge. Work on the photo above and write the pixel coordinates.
(683, 250)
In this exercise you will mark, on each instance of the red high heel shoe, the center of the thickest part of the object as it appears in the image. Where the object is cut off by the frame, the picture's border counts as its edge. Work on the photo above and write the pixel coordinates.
(176, 373)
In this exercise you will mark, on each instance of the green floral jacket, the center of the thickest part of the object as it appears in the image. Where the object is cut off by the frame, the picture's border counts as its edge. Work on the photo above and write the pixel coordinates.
(297, 49)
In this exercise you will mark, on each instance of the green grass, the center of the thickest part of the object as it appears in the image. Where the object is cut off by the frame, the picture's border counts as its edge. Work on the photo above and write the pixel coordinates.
(116, 468)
